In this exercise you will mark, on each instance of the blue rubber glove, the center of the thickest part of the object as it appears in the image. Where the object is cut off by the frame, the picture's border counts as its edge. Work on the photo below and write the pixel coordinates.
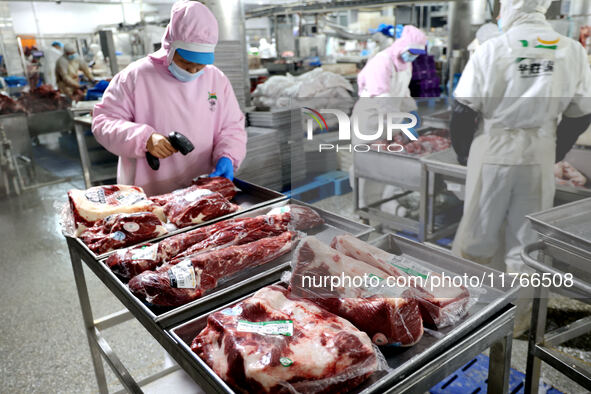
(224, 168)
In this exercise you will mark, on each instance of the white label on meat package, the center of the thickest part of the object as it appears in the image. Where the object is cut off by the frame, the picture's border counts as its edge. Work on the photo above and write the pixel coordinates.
(454, 187)
(278, 327)
(279, 210)
(182, 275)
(131, 227)
(409, 267)
(195, 194)
(96, 196)
(129, 198)
(146, 252)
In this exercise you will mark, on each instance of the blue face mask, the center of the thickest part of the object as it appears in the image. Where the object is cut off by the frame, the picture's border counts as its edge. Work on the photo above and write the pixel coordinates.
(73, 56)
(409, 57)
(182, 74)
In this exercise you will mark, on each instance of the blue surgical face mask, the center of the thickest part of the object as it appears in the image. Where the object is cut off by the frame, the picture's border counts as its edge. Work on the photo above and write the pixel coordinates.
(72, 56)
(182, 74)
(409, 57)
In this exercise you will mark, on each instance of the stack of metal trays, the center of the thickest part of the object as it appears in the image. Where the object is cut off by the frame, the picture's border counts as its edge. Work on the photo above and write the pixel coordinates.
(566, 232)
(263, 158)
(248, 197)
(403, 361)
(229, 59)
(291, 140)
(241, 283)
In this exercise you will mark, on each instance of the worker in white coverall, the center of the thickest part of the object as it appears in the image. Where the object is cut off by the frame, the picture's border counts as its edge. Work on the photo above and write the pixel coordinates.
(66, 72)
(520, 106)
(385, 77)
(50, 57)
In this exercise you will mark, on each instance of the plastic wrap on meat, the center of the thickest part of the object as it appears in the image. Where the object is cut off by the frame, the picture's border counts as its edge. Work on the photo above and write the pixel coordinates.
(220, 185)
(323, 353)
(131, 262)
(96, 203)
(121, 230)
(197, 206)
(440, 305)
(568, 175)
(208, 268)
(388, 319)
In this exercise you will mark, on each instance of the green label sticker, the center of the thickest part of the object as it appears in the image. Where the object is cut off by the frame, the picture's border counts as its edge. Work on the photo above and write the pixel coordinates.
(278, 327)
(286, 362)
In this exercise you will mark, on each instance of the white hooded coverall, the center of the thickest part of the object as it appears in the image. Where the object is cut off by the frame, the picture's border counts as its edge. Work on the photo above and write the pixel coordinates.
(521, 83)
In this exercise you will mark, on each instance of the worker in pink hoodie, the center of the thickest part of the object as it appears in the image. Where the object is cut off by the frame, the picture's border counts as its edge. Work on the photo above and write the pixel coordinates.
(383, 86)
(174, 89)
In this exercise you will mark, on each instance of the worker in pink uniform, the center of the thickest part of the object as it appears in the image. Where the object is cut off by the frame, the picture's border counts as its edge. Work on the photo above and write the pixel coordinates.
(174, 89)
(384, 88)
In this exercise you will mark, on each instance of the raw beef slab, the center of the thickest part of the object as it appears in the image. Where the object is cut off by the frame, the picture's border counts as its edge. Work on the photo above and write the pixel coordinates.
(220, 185)
(440, 306)
(121, 230)
(209, 267)
(96, 203)
(387, 320)
(325, 354)
(131, 262)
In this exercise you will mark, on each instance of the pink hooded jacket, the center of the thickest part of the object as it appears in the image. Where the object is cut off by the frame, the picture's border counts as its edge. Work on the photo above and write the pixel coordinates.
(146, 98)
(376, 75)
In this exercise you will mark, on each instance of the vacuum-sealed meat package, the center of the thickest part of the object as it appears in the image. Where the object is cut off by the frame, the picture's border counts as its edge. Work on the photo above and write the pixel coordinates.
(96, 203)
(272, 343)
(121, 230)
(441, 303)
(184, 280)
(335, 282)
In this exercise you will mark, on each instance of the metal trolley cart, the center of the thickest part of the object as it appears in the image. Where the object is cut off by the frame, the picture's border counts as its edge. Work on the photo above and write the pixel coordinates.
(417, 368)
(255, 201)
(565, 248)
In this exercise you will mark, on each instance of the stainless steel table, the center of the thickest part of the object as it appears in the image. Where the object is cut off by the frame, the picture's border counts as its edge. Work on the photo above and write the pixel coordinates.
(97, 173)
(565, 249)
(489, 324)
(444, 166)
(157, 322)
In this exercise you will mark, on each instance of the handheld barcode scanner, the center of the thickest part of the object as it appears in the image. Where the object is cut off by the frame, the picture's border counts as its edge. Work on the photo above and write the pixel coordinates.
(178, 142)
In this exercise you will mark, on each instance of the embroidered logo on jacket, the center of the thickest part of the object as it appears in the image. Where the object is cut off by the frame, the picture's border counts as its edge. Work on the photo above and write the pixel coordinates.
(213, 100)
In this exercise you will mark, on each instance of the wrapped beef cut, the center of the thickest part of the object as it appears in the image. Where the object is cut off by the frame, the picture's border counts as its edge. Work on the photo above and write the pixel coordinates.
(274, 343)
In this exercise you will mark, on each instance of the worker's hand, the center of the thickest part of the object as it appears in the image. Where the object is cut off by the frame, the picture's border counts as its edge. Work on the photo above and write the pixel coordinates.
(159, 146)
(224, 168)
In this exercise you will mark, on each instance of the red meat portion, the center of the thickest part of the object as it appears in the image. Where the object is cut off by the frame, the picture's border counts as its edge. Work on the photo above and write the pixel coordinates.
(220, 185)
(44, 98)
(130, 262)
(197, 206)
(9, 105)
(209, 268)
(325, 354)
(440, 306)
(121, 230)
(388, 319)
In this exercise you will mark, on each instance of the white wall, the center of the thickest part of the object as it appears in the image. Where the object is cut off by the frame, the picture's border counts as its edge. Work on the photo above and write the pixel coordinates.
(74, 18)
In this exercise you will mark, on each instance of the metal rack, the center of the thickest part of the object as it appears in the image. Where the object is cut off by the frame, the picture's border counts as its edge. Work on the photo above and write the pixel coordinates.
(157, 323)
(565, 248)
(489, 325)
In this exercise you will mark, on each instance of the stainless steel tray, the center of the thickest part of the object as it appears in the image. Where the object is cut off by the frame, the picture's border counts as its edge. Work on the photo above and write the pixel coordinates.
(403, 361)
(566, 225)
(247, 281)
(248, 198)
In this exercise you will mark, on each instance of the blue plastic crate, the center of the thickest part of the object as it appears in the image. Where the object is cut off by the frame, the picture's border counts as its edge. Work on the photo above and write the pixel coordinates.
(323, 186)
(473, 378)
